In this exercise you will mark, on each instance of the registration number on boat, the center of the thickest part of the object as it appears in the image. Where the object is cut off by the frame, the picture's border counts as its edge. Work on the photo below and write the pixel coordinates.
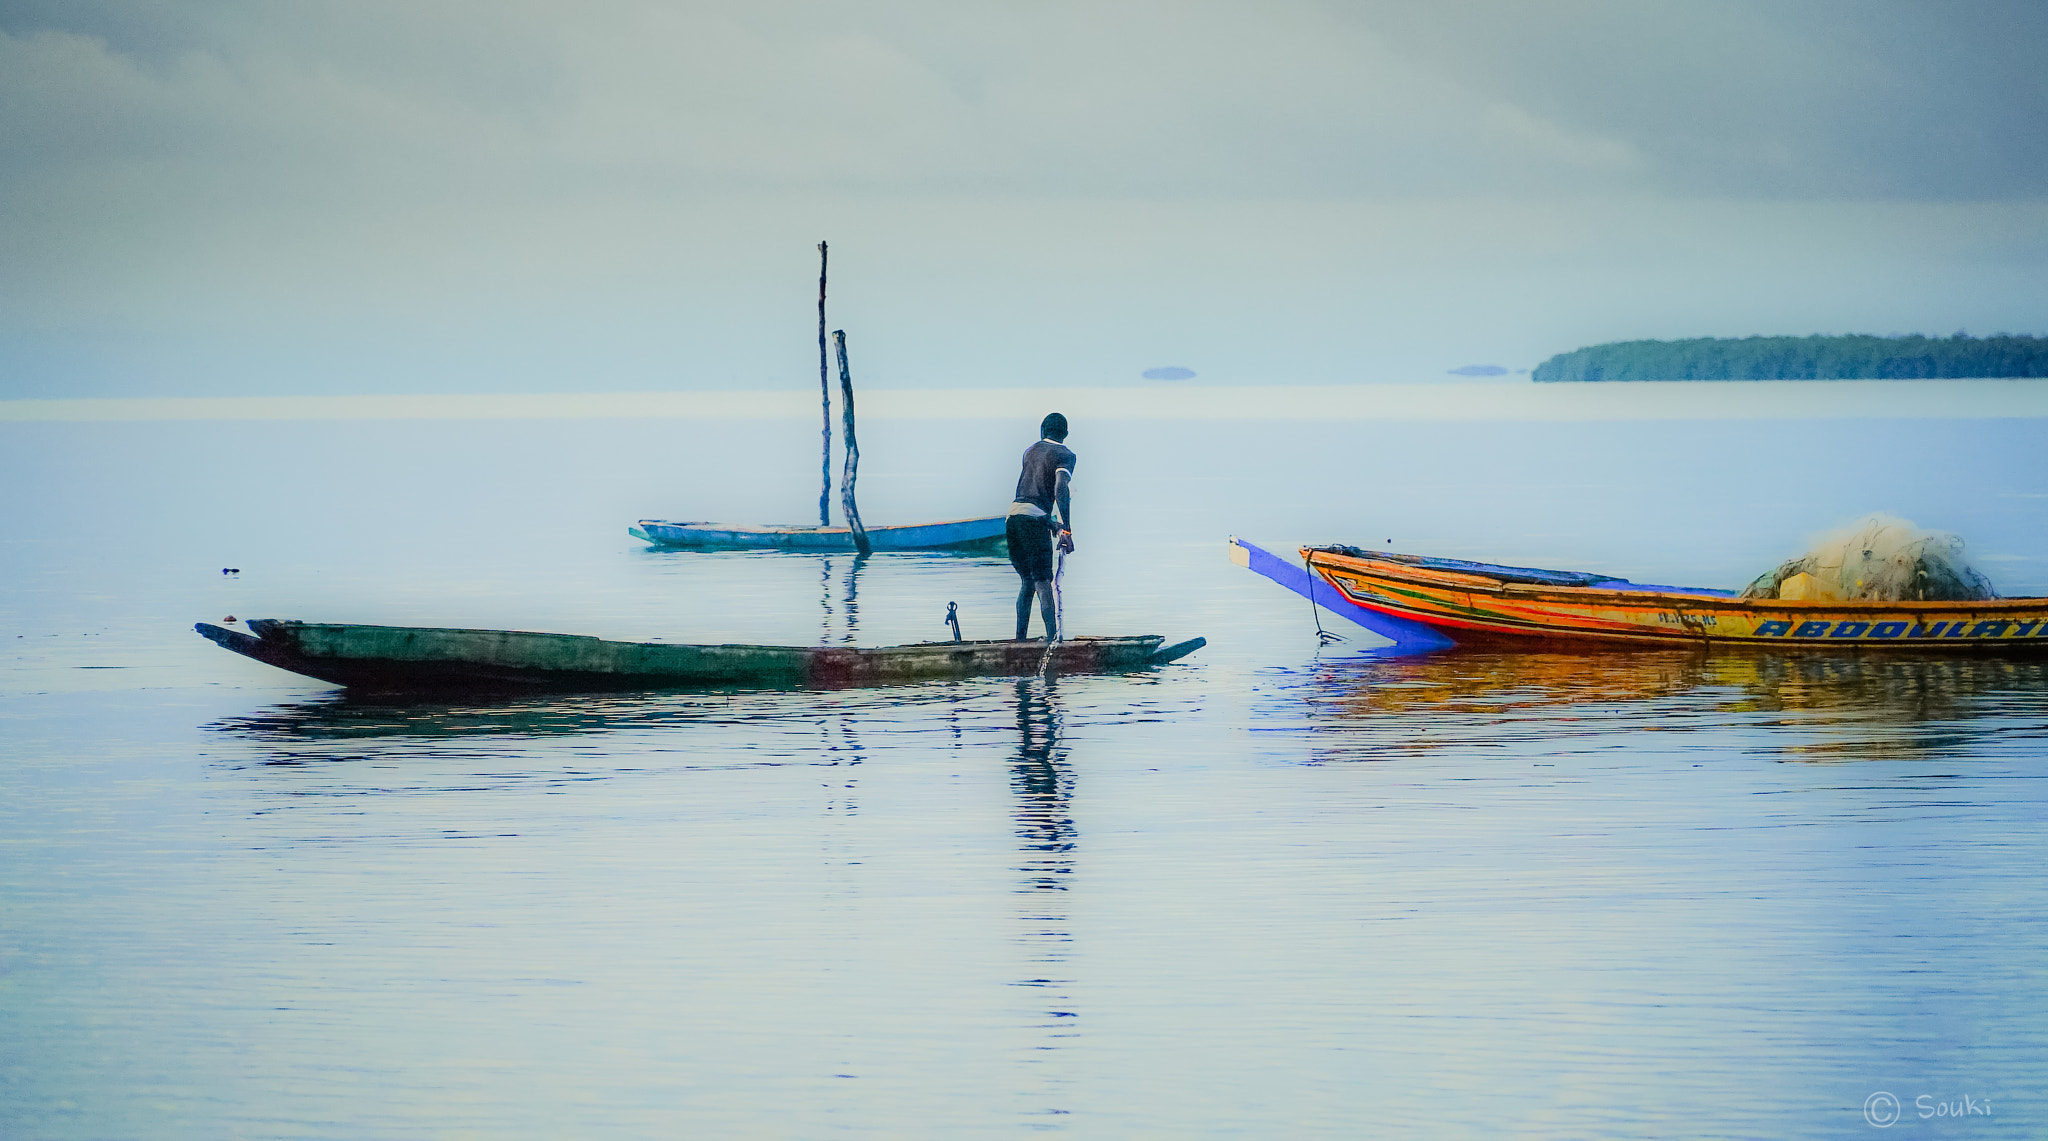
(1883, 631)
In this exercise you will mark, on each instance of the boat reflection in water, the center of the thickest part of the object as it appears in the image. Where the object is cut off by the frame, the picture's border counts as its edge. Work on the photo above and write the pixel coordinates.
(1801, 706)
(639, 731)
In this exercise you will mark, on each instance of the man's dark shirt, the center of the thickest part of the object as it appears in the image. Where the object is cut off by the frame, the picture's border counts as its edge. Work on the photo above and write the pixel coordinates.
(1040, 485)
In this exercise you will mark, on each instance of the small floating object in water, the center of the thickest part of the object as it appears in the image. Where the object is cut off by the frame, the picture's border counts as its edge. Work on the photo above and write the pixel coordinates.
(231, 570)
(229, 618)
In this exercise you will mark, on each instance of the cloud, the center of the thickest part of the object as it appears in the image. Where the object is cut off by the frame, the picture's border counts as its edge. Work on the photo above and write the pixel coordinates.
(1289, 98)
(1590, 154)
(1766, 98)
(1180, 100)
(458, 193)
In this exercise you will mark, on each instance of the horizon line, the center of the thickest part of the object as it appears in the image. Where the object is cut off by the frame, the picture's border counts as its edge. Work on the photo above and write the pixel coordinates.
(1621, 400)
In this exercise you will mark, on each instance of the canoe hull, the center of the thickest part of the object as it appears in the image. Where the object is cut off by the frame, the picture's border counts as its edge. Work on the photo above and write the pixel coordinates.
(398, 659)
(1469, 604)
(950, 535)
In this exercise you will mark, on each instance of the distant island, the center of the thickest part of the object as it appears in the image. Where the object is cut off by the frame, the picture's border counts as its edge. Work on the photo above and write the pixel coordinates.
(1851, 357)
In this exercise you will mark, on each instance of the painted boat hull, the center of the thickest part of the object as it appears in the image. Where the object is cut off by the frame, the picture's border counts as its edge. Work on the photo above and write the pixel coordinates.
(1478, 602)
(401, 659)
(952, 534)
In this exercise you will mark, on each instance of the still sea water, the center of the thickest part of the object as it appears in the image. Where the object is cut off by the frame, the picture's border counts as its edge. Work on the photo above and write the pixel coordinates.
(1275, 890)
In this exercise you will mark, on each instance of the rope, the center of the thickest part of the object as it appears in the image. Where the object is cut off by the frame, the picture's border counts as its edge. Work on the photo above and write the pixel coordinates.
(1323, 637)
(1059, 613)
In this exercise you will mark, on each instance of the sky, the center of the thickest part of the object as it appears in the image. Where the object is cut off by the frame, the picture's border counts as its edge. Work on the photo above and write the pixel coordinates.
(266, 197)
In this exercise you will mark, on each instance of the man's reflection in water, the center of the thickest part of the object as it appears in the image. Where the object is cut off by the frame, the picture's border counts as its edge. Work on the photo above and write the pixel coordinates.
(1044, 790)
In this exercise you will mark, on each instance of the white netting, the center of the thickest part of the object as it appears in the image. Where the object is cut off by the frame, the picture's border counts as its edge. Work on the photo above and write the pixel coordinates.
(1878, 558)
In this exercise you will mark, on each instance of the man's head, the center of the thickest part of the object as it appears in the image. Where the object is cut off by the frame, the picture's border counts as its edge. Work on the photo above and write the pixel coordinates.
(1053, 427)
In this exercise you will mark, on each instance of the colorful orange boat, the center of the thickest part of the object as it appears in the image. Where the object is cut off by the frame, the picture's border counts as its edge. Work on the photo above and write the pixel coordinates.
(1423, 602)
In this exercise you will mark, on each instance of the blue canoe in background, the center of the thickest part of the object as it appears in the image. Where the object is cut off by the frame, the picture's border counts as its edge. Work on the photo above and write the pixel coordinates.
(951, 535)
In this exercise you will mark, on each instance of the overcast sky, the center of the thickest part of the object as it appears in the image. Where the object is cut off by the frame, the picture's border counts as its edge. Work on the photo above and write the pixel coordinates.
(436, 196)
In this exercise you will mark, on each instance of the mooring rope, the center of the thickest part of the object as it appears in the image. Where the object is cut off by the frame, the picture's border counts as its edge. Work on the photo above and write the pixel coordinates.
(1059, 613)
(1323, 637)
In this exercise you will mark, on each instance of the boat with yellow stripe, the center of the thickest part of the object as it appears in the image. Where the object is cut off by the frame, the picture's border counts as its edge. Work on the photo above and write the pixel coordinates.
(1414, 598)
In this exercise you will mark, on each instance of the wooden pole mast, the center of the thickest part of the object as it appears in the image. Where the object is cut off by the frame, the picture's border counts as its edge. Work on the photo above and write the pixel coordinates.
(825, 399)
(852, 470)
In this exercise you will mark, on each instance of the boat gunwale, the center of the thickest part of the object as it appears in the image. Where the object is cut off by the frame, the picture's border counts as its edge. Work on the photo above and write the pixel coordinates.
(1319, 558)
(948, 646)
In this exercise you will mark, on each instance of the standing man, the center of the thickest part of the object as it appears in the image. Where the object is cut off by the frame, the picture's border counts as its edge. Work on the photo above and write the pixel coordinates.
(1042, 487)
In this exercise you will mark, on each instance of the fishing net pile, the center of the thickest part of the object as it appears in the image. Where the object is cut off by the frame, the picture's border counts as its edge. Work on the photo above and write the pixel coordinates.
(1877, 559)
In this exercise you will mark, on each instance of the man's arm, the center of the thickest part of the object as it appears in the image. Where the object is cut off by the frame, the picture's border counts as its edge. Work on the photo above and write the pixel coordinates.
(1061, 477)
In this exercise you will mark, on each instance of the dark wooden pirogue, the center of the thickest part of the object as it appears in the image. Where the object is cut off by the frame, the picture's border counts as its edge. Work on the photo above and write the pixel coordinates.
(396, 659)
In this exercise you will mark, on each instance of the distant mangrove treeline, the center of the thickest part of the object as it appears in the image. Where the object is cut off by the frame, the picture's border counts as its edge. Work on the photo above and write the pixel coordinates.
(1852, 357)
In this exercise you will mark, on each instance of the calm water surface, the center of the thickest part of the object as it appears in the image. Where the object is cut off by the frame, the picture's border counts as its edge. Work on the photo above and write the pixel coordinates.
(1275, 890)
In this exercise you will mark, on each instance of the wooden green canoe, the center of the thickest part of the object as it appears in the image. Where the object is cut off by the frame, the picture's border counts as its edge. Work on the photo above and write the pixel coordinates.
(399, 659)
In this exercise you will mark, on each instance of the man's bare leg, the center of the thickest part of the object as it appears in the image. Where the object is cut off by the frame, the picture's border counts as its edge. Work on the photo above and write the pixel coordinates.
(1024, 597)
(1042, 590)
